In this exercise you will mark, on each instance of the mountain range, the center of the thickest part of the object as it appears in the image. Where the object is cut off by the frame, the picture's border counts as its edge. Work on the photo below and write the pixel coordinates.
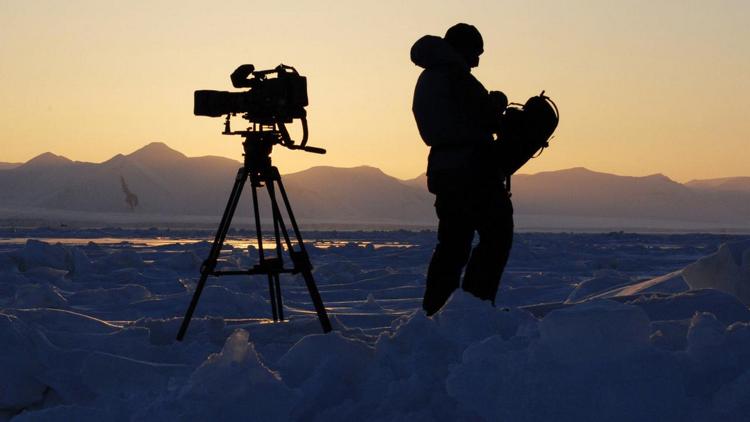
(170, 185)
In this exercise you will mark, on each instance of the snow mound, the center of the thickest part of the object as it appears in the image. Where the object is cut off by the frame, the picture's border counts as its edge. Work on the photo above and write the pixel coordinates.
(329, 370)
(233, 384)
(595, 330)
(596, 353)
(466, 319)
(20, 368)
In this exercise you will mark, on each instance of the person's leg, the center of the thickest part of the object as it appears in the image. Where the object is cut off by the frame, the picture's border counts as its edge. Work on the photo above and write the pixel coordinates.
(455, 234)
(494, 220)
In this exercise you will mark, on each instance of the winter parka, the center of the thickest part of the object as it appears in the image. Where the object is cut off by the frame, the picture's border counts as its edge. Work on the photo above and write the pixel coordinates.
(451, 108)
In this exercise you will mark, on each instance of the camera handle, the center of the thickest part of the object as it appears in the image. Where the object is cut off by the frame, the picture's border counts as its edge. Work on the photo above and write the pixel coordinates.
(289, 143)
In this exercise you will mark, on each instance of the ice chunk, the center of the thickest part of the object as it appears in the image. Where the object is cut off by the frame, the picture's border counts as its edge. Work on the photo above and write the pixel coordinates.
(235, 384)
(673, 282)
(80, 262)
(184, 261)
(417, 348)
(670, 335)
(370, 304)
(727, 270)
(46, 275)
(328, 369)
(41, 254)
(409, 370)
(125, 276)
(304, 360)
(712, 363)
(39, 296)
(121, 295)
(124, 258)
(597, 330)
(602, 281)
(726, 307)
(705, 336)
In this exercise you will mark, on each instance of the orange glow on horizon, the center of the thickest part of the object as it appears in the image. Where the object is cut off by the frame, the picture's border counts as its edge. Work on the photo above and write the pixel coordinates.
(643, 87)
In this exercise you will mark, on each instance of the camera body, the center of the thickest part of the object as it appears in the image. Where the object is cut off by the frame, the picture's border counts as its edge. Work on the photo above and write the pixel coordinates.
(277, 95)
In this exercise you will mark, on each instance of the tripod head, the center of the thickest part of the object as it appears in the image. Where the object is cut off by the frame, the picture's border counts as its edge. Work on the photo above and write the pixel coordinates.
(273, 131)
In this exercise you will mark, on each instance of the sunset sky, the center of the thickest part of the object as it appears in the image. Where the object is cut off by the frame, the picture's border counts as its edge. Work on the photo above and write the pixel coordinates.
(643, 86)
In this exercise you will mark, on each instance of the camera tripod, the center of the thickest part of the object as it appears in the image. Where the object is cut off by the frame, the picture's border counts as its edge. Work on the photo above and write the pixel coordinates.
(258, 169)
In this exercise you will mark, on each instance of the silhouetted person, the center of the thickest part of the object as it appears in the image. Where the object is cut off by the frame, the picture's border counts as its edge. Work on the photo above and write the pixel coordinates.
(456, 116)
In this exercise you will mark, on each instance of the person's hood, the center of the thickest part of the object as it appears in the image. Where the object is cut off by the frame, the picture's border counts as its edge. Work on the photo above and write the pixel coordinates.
(432, 51)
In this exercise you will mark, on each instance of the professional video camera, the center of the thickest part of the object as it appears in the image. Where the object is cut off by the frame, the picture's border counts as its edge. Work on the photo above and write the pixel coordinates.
(276, 96)
(283, 97)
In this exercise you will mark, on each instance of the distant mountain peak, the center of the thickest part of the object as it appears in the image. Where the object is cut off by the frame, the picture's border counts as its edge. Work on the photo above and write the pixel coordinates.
(331, 170)
(577, 170)
(659, 177)
(46, 159)
(157, 151)
(369, 169)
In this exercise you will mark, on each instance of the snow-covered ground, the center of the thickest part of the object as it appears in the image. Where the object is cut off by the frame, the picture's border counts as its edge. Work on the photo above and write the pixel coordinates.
(588, 327)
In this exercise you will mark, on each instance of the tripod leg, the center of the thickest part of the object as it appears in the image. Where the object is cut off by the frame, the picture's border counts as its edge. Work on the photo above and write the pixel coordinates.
(302, 260)
(279, 302)
(278, 226)
(272, 296)
(255, 182)
(210, 263)
(289, 211)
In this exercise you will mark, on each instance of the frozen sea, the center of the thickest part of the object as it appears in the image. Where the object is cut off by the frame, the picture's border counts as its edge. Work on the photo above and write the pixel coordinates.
(586, 327)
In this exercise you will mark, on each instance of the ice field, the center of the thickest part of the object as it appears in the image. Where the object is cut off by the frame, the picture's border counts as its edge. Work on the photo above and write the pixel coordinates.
(587, 327)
